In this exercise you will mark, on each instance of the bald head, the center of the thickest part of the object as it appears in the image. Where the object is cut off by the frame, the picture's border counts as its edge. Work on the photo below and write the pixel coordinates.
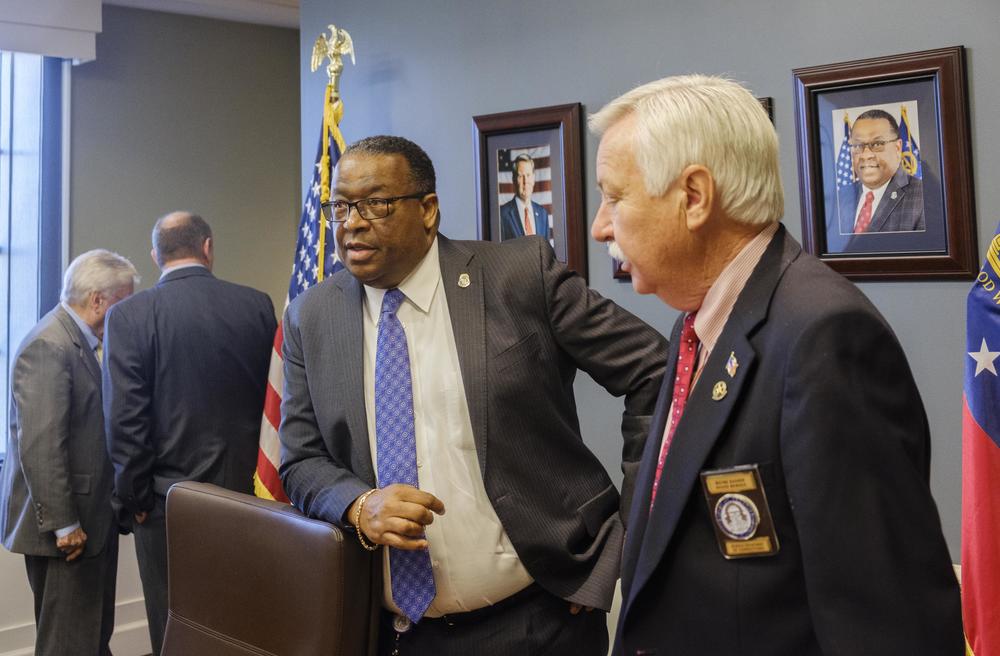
(182, 238)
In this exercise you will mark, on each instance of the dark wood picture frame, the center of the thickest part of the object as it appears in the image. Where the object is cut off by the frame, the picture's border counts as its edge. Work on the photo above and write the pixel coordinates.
(558, 128)
(944, 248)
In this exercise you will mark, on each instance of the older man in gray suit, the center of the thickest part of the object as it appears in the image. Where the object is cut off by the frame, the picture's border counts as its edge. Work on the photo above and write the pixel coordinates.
(55, 489)
(434, 374)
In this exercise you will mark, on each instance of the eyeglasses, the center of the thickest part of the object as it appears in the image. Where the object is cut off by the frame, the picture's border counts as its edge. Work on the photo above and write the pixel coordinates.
(368, 209)
(876, 146)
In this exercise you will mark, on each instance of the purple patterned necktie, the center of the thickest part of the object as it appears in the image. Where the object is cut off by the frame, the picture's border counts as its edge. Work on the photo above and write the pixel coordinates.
(396, 447)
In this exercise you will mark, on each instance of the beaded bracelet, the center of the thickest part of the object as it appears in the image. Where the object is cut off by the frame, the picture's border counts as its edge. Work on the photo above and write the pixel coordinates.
(357, 521)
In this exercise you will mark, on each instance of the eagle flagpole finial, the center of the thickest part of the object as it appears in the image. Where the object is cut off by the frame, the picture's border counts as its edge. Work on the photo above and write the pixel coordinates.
(333, 48)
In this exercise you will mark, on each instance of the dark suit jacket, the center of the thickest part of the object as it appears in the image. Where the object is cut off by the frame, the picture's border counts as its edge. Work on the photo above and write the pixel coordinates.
(524, 323)
(184, 381)
(824, 402)
(904, 212)
(56, 472)
(512, 224)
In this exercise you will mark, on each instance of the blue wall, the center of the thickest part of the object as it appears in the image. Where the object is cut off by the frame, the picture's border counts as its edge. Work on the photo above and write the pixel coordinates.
(425, 68)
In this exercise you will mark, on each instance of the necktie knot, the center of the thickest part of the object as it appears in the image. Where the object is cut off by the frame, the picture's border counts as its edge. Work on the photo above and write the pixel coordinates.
(392, 300)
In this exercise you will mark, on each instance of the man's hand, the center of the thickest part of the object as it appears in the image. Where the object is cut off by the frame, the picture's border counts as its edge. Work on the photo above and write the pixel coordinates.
(140, 517)
(396, 516)
(574, 609)
(72, 544)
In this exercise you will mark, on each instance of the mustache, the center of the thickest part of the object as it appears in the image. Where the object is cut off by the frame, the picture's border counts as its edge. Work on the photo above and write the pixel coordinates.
(615, 251)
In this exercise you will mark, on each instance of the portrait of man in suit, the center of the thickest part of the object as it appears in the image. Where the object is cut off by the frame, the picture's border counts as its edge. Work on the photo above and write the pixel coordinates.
(888, 198)
(785, 392)
(183, 386)
(404, 419)
(55, 487)
(520, 215)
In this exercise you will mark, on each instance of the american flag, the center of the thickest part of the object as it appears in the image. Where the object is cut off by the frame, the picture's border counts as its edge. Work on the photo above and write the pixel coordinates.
(845, 168)
(542, 193)
(315, 236)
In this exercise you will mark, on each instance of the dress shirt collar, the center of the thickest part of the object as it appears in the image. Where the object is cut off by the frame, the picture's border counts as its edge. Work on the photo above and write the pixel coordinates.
(721, 297)
(878, 192)
(419, 287)
(171, 269)
(88, 334)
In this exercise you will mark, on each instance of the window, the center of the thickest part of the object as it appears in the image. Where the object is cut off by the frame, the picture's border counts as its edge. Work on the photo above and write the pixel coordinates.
(31, 201)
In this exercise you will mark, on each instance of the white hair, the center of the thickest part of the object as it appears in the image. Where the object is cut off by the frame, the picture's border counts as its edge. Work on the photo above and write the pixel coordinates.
(96, 271)
(706, 120)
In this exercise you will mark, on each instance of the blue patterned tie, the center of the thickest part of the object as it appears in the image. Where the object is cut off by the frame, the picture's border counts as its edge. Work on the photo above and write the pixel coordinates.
(396, 447)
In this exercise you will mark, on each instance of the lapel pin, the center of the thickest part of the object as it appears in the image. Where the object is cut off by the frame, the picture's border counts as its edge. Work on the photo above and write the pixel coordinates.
(893, 195)
(732, 365)
(719, 391)
(464, 281)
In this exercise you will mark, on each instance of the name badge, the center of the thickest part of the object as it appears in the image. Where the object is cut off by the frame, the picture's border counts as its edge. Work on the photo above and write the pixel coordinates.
(740, 515)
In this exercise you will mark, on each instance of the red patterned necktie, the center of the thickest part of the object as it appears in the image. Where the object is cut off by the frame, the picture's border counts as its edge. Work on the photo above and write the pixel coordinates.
(528, 228)
(865, 215)
(686, 357)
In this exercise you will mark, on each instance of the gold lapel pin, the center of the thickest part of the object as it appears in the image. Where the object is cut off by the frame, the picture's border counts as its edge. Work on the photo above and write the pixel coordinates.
(719, 391)
(464, 280)
(732, 364)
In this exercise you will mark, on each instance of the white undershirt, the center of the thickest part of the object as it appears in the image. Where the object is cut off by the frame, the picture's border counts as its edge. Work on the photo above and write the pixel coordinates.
(475, 564)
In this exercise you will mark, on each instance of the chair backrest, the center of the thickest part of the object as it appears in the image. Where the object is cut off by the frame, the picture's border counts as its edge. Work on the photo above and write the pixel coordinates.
(251, 576)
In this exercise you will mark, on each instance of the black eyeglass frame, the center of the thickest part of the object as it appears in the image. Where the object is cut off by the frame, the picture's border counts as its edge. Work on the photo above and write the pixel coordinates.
(330, 214)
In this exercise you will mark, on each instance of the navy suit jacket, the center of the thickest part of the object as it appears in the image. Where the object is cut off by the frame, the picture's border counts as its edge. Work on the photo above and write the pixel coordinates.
(512, 225)
(524, 322)
(184, 378)
(824, 403)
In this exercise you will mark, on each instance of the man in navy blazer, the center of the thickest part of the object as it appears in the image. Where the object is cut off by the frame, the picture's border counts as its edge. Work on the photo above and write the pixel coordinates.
(782, 504)
(513, 221)
(184, 390)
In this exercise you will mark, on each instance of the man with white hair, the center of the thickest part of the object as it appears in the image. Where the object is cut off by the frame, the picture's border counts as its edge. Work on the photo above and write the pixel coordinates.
(786, 396)
(55, 488)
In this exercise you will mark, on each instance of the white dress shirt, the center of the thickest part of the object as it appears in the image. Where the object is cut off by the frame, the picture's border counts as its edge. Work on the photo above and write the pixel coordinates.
(474, 562)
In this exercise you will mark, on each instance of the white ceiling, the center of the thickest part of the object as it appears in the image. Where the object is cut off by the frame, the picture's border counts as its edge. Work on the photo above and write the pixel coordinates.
(283, 13)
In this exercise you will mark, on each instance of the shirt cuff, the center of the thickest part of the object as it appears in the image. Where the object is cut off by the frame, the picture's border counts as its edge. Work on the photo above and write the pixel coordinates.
(63, 532)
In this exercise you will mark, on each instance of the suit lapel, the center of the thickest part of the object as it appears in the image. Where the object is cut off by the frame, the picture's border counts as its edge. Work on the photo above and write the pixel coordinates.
(345, 312)
(467, 307)
(896, 186)
(76, 336)
(639, 512)
(705, 417)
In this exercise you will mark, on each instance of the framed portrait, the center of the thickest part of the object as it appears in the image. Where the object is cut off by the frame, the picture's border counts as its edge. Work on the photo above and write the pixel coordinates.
(885, 166)
(529, 179)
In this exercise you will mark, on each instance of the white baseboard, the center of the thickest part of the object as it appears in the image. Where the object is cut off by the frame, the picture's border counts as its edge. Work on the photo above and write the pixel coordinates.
(131, 637)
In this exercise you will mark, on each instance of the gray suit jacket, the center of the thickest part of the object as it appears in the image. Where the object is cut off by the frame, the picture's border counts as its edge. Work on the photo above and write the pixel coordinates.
(57, 471)
(524, 323)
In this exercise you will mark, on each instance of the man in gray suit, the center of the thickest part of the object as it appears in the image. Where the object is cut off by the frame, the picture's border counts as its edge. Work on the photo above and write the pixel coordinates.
(55, 488)
(434, 374)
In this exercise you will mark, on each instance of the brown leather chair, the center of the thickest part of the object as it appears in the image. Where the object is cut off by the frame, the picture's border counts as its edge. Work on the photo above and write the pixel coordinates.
(250, 576)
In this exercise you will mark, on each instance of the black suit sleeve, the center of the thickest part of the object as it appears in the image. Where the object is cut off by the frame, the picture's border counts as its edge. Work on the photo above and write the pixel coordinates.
(620, 352)
(855, 451)
(128, 394)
